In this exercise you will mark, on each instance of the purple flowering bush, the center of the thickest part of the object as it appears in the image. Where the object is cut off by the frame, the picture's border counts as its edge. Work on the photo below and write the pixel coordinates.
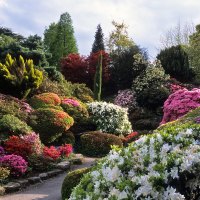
(16, 164)
(126, 99)
(2, 152)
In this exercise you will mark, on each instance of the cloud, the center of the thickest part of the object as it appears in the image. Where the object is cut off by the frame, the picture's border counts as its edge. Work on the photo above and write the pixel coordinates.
(147, 20)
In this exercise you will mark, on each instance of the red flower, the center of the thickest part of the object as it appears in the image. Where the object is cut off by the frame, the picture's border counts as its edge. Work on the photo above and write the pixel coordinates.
(51, 152)
(65, 150)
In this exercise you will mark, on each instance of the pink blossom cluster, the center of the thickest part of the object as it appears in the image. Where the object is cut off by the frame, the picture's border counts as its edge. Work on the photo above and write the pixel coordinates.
(34, 139)
(71, 101)
(16, 164)
(126, 99)
(175, 87)
(179, 103)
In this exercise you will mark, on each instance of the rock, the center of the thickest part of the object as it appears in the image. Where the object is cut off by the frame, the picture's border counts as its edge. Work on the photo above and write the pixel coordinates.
(23, 182)
(12, 187)
(65, 165)
(35, 179)
(54, 172)
(43, 176)
(77, 160)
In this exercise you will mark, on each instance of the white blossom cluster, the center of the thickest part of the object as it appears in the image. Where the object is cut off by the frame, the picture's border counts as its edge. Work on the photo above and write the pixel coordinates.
(161, 166)
(110, 118)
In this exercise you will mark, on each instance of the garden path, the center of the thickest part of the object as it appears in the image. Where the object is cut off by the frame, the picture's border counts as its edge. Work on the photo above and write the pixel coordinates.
(49, 189)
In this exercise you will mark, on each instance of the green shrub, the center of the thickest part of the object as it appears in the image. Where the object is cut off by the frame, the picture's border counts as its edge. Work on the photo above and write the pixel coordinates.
(50, 123)
(153, 97)
(40, 163)
(72, 180)
(11, 125)
(66, 138)
(149, 86)
(45, 100)
(63, 88)
(82, 92)
(96, 143)
(19, 78)
(4, 174)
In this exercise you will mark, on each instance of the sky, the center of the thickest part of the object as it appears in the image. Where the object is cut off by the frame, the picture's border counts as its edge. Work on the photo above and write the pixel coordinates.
(147, 20)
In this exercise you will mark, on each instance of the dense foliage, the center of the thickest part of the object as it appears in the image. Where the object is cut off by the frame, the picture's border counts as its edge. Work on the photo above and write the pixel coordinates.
(175, 62)
(19, 78)
(96, 143)
(110, 118)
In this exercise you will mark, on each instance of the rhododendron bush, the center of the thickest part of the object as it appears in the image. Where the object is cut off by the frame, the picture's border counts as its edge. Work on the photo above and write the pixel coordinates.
(179, 103)
(161, 166)
(126, 99)
(16, 164)
(110, 118)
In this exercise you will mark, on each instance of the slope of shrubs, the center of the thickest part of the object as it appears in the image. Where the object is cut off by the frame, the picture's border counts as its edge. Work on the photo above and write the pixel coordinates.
(164, 165)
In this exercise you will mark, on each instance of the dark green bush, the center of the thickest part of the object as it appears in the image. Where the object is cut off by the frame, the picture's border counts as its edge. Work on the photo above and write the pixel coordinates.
(11, 125)
(153, 97)
(96, 143)
(82, 92)
(50, 123)
(72, 180)
(66, 138)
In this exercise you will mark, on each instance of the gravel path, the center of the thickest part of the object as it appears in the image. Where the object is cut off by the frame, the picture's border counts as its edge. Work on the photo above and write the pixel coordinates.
(48, 190)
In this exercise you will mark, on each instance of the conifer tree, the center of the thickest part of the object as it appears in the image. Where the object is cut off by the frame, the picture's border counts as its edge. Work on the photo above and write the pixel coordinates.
(98, 44)
(98, 79)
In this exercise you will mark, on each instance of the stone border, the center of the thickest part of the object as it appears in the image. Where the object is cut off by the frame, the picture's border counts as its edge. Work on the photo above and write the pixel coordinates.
(60, 168)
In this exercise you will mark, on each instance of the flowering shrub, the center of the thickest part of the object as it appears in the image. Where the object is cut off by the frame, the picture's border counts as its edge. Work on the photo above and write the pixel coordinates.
(74, 108)
(16, 164)
(126, 99)
(130, 137)
(161, 166)
(65, 150)
(34, 140)
(51, 152)
(175, 87)
(179, 103)
(50, 123)
(18, 146)
(45, 100)
(110, 118)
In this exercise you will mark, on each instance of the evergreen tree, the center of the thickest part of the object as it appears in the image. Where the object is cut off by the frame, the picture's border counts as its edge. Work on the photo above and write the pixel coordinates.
(98, 79)
(176, 63)
(59, 39)
(98, 44)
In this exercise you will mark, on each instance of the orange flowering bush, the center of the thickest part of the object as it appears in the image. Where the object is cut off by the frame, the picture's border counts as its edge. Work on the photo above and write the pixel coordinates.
(45, 100)
(50, 123)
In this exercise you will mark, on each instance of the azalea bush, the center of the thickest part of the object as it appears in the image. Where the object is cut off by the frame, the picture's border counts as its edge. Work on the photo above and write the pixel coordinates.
(16, 164)
(18, 146)
(51, 152)
(164, 165)
(45, 100)
(130, 138)
(65, 150)
(74, 108)
(50, 123)
(179, 103)
(110, 118)
(126, 98)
